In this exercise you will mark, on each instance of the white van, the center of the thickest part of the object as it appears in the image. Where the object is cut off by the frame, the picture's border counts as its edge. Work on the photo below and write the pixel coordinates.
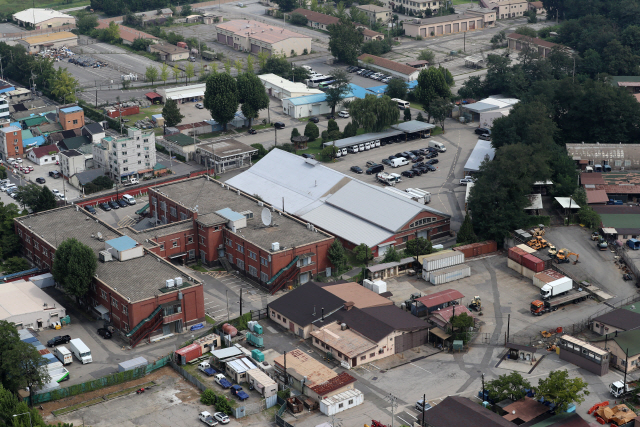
(377, 143)
(338, 153)
(396, 163)
(129, 199)
(438, 146)
(401, 103)
(353, 149)
(367, 146)
(80, 350)
(9, 187)
(361, 147)
(63, 354)
(343, 152)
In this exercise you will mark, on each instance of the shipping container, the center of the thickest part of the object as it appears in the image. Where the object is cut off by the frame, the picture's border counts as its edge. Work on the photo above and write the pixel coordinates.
(516, 254)
(130, 365)
(43, 280)
(526, 248)
(379, 287)
(514, 265)
(367, 284)
(116, 112)
(449, 274)
(477, 249)
(181, 44)
(442, 259)
(527, 273)
(533, 263)
(547, 276)
(188, 353)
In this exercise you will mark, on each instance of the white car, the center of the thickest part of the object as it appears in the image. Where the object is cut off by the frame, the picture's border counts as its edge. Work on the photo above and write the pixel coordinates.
(55, 191)
(343, 114)
(19, 160)
(223, 418)
(466, 180)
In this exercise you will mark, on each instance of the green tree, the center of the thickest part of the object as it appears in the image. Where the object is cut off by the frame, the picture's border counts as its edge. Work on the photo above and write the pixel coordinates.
(30, 195)
(460, 324)
(227, 66)
(407, 114)
(208, 397)
(345, 41)
(171, 113)
(251, 95)
(439, 108)
(374, 114)
(311, 131)
(418, 246)
(286, 5)
(86, 23)
(64, 86)
(392, 255)
(262, 59)
(339, 89)
(527, 31)
(74, 266)
(176, 72)
(396, 88)
(239, 66)
(337, 256)
(298, 19)
(427, 55)
(329, 152)
(30, 367)
(283, 68)
(508, 386)
(189, 71)
(448, 77)
(151, 73)
(589, 217)
(498, 39)
(141, 44)
(363, 254)
(113, 32)
(431, 85)
(466, 234)
(332, 125)
(221, 98)
(15, 265)
(349, 130)
(561, 390)
(186, 10)
(294, 133)
(472, 88)
(250, 64)
(419, 117)
(164, 73)
(46, 200)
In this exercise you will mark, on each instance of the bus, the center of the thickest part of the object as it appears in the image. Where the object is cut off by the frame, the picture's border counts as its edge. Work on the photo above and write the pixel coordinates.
(316, 80)
(325, 85)
(401, 104)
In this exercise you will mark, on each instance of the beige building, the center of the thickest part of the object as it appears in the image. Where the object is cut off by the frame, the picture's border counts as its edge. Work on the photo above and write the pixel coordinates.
(538, 7)
(37, 44)
(508, 8)
(517, 42)
(375, 13)
(415, 6)
(473, 19)
(619, 344)
(316, 19)
(370, 34)
(27, 306)
(256, 37)
(169, 52)
(43, 18)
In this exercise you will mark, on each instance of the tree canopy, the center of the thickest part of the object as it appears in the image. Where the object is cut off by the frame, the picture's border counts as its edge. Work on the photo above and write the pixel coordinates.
(508, 386)
(339, 89)
(251, 95)
(562, 390)
(221, 98)
(74, 266)
(374, 114)
(171, 113)
(345, 41)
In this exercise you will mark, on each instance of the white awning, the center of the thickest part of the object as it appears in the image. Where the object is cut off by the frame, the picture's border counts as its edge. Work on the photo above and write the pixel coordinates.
(567, 202)
(609, 230)
(101, 309)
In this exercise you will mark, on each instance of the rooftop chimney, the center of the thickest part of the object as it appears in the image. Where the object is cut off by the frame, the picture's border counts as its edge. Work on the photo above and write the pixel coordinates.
(322, 313)
(348, 305)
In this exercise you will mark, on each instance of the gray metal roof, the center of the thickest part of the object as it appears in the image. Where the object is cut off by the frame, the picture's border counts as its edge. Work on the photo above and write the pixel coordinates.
(478, 155)
(366, 137)
(480, 107)
(89, 175)
(413, 126)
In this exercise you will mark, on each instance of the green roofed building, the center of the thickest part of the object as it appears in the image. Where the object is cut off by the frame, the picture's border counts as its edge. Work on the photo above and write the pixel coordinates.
(624, 347)
(179, 144)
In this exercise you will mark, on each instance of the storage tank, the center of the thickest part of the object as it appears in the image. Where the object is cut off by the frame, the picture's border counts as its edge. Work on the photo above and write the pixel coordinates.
(533, 263)
(547, 276)
(446, 275)
(442, 259)
(514, 265)
(229, 330)
(516, 254)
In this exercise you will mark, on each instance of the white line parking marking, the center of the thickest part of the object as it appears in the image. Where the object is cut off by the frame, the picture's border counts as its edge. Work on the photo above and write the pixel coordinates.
(419, 367)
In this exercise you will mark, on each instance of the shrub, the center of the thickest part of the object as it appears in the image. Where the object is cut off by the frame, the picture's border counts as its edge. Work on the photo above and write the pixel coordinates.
(208, 397)
(311, 131)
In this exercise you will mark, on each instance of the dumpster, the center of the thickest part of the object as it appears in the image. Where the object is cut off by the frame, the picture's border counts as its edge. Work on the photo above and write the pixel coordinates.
(257, 328)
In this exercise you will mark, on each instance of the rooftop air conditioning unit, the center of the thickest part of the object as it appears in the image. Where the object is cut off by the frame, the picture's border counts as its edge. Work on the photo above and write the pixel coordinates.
(170, 283)
(178, 281)
(105, 256)
(275, 246)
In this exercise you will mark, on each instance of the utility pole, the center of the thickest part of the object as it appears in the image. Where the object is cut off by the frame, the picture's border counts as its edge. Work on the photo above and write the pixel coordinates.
(394, 404)
(240, 302)
(483, 396)
(227, 293)
(508, 325)
(424, 407)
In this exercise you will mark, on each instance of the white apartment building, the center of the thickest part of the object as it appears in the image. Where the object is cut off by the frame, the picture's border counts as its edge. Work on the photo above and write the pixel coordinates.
(415, 6)
(131, 156)
(4, 108)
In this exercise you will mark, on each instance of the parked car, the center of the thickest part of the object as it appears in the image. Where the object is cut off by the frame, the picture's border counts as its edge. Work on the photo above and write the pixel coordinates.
(466, 180)
(308, 156)
(432, 161)
(431, 155)
(482, 131)
(199, 106)
(105, 207)
(252, 131)
(278, 125)
(371, 163)
(392, 157)
(60, 339)
(314, 119)
(40, 180)
(352, 68)
(486, 137)
(408, 174)
(54, 174)
(90, 209)
(123, 203)
(417, 159)
(386, 162)
(417, 171)
(104, 333)
(431, 167)
(114, 204)
(222, 418)
(343, 114)
(356, 169)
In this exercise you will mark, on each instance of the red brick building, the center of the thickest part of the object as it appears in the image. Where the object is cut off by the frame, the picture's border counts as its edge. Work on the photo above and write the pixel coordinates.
(144, 295)
(227, 228)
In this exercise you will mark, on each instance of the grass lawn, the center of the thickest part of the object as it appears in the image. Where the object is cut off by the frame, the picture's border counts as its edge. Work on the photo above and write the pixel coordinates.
(15, 5)
(417, 106)
(437, 131)
(143, 114)
(198, 268)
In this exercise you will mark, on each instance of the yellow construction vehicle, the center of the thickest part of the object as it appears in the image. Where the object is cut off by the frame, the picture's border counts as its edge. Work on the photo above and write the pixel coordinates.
(537, 243)
(538, 231)
(564, 255)
(476, 304)
(595, 235)
(552, 250)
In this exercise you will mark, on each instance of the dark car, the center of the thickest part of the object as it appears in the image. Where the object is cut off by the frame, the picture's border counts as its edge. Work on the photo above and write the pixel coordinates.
(314, 119)
(40, 180)
(105, 206)
(417, 152)
(278, 125)
(375, 169)
(386, 162)
(408, 174)
(60, 339)
(399, 156)
(104, 333)
(417, 171)
(308, 156)
(331, 117)
(90, 209)
(431, 167)
(114, 205)
(356, 169)
(432, 161)
(482, 131)
(123, 203)
(417, 159)
(422, 169)
(252, 131)
(431, 155)
(370, 163)
(392, 157)
(54, 174)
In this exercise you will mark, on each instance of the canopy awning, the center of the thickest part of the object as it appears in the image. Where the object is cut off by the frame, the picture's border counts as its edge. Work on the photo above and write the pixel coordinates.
(608, 230)
(101, 309)
(567, 202)
(178, 255)
(440, 333)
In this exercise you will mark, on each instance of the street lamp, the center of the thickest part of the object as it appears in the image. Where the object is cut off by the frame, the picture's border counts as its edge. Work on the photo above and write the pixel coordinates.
(483, 395)
(28, 413)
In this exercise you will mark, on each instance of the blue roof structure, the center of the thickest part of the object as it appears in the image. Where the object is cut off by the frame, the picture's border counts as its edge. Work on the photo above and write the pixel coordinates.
(7, 89)
(36, 141)
(230, 214)
(377, 90)
(122, 243)
(70, 109)
(354, 91)
(357, 91)
(412, 84)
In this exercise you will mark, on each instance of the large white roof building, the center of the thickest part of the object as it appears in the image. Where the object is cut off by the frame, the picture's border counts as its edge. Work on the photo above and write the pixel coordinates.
(42, 18)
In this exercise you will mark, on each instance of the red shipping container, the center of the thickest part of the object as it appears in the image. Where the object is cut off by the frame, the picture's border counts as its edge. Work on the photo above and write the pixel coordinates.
(477, 249)
(533, 263)
(188, 353)
(516, 254)
(124, 111)
(181, 44)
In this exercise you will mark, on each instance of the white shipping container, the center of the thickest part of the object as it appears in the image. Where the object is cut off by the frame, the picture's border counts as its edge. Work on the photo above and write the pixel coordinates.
(526, 248)
(425, 275)
(546, 276)
(446, 275)
(442, 259)
(367, 284)
(528, 273)
(379, 287)
(129, 365)
(514, 265)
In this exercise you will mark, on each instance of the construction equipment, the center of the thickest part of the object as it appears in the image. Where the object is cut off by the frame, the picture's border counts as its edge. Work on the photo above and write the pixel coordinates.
(595, 236)
(546, 334)
(602, 244)
(564, 256)
(552, 250)
(617, 416)
(475, 304)
(537, 243)
(538, 231)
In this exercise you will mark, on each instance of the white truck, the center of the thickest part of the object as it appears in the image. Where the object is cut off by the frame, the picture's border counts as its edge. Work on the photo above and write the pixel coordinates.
(63, 354)
(80, 350)
(555, 288)
(208, 419)
(438, 146)
(619, 389)
(424, 195)
(222, 381)
(132, 181)
(388, 178)
(397, 162)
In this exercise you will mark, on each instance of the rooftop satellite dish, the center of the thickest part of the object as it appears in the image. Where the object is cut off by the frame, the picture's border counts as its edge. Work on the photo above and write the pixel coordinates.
(99, 235)
(266, 217)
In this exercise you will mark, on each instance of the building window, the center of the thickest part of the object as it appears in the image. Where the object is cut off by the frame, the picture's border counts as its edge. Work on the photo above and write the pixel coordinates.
(190, 239)
(162, 246)
(103, 294)
(183, 216)
(173, 211)
(230, 256)
(20, 233)
(75, 122)
(28, 239)
(229, 242)
(125, 310)
(405, 239)
(192, 253)
(340, 405)
(264, 261)
(36, 245)
(363, 358)
(28, 254)
(240, 248)
(45, 252)
(253, 256)
(264, 276)
(202, 239)
(174, 244)
(114, 302)
(253, 271)
(240, 263)
(278, 317)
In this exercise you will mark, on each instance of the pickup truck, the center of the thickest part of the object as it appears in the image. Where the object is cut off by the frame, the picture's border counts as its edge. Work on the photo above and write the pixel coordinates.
(222, 381)
(207, 369)
(207, 418)
(132, 181)
(237, 391)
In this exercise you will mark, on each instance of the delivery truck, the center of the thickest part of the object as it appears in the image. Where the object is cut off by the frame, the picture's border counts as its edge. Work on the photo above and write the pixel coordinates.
(63, 354)
(539, 307)
(438, 146)
(556, 288)
(80, 350)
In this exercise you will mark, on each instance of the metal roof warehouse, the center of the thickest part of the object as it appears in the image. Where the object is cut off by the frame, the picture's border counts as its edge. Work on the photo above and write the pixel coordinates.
(405, 128)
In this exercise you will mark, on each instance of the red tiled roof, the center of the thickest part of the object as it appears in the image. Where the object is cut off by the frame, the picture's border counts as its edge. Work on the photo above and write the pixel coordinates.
(440, 297)
(447, 313)
(317, 16)
(620, 189)
(388, 64)
(152, 95)
(192, 125)
(333, 384)
(536, 4)
(536, 41)
(594, 178)
(126, 33)
(370, 33)
(597, 196)
(44, 150)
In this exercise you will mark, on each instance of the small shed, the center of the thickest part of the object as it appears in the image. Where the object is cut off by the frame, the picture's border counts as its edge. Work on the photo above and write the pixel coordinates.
(390, 269)
(237, 369)
(300, 142)
(520, 352)
(262, 382)
(458, 345)
(155, 98)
